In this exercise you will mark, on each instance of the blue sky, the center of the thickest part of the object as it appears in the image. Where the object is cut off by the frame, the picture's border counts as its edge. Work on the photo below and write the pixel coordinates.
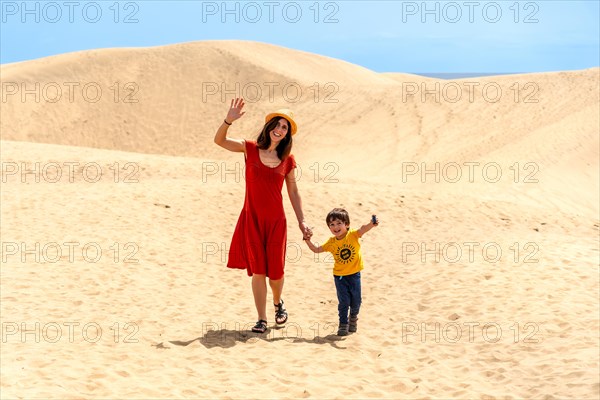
(385, 36)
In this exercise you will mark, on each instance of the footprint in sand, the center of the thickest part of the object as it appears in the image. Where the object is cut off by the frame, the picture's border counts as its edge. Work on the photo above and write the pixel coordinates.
(454, 317)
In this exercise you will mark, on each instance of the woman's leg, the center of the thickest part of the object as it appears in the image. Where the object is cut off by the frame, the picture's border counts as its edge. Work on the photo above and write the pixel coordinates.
(281, 314)
(259, 289)
(276, 288)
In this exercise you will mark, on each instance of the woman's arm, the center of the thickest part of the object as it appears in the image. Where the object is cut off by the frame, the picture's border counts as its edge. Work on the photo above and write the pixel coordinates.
(235, 112)
(296, 201)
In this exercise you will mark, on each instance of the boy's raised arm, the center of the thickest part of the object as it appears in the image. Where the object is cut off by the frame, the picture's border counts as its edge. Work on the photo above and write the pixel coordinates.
(366, 228)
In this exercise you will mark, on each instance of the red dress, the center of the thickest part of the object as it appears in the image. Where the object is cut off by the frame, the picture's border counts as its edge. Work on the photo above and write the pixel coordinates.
(259, 240)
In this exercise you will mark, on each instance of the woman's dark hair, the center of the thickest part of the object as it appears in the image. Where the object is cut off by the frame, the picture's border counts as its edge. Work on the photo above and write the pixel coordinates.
(264, 139)
(338, 213)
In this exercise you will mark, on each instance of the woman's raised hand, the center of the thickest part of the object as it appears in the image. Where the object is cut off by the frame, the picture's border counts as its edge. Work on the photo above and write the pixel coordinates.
(235, 110)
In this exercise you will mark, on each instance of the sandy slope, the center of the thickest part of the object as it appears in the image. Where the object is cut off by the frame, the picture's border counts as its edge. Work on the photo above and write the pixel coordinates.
(172, 208)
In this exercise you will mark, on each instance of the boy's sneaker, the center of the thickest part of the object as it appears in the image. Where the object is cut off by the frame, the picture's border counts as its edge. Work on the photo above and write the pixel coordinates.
(343, 330)
(353, 325)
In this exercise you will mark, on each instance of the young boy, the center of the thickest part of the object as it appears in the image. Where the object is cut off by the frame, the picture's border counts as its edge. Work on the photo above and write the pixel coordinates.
(345, 248)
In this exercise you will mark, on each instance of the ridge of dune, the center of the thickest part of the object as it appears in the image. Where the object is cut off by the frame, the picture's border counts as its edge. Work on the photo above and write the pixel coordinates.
(295, 65)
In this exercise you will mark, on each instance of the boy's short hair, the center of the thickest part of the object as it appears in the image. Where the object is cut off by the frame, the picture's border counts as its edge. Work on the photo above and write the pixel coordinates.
(338, 213)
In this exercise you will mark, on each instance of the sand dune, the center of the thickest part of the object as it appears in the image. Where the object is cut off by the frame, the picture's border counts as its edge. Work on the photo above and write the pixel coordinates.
(522, 323)
(168, 100)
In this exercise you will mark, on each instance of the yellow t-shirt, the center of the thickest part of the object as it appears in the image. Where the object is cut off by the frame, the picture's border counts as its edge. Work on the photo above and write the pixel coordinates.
(346, 253)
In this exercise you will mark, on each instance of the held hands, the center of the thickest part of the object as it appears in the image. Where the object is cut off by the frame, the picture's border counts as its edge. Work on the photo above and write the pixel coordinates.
(235, 110)
(306, 231)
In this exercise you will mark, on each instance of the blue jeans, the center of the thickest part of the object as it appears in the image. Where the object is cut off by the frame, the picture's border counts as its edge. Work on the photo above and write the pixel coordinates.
(348, 294)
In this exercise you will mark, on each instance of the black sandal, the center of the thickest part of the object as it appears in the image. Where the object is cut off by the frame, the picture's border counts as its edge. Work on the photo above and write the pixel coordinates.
(281, 315)
(260, 327)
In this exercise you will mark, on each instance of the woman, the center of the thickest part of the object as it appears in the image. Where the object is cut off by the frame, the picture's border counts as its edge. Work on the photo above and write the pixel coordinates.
(259, 241)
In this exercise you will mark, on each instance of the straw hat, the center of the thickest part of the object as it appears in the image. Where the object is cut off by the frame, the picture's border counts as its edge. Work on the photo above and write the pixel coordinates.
(285, 113)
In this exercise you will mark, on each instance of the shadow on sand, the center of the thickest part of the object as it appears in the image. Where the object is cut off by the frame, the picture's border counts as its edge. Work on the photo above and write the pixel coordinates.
(226, 338)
